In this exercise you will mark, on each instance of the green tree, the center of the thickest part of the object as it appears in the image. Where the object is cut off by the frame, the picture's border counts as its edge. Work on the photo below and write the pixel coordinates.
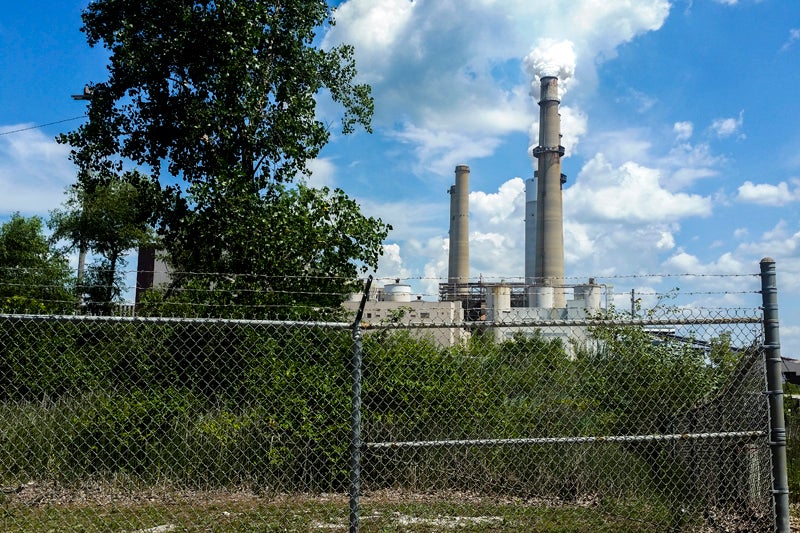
(107, 217)
(34, 278)
(221, 95)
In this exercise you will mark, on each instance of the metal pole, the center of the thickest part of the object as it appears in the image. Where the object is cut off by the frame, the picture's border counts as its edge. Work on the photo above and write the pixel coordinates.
(777, 424)
(633, 303)
(355, 417)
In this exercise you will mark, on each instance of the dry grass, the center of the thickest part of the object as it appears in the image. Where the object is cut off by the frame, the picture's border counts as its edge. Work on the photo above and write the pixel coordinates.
(115, 507)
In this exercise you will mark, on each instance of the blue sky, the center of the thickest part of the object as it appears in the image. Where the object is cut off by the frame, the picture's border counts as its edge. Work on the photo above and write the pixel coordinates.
(679, 118)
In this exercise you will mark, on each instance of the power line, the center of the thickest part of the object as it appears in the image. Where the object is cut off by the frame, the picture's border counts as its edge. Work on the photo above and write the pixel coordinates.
(41, 125)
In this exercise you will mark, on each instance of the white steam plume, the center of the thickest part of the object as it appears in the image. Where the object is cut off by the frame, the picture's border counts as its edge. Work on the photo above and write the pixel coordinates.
(551, 58)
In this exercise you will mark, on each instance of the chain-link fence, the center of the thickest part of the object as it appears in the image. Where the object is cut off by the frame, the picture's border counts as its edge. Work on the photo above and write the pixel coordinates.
(518, 423)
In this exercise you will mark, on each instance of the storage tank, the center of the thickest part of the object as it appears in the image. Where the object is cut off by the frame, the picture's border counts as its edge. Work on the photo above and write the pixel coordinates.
(591, 294)
(498, 300)
(397, 292)
(543, 296)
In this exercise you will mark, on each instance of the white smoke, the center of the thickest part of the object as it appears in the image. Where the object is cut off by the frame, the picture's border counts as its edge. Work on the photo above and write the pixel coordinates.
(551, 57)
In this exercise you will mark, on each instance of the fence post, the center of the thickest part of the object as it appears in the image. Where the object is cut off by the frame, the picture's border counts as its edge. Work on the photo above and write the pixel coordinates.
(777, 424)
(355, 415)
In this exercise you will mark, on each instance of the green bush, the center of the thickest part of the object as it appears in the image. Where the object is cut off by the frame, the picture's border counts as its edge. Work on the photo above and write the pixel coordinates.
(224, 404)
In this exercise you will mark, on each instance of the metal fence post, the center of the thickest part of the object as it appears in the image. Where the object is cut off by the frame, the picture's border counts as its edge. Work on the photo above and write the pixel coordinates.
(355, 416)
(772, 353)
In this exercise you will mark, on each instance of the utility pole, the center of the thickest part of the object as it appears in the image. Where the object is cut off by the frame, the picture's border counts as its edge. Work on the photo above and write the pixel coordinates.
(86, 95)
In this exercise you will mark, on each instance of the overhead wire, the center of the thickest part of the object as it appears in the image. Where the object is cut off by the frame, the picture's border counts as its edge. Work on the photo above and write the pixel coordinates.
(9, 132)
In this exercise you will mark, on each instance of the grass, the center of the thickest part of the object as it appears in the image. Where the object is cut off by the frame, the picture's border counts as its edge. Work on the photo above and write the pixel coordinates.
(238, 512)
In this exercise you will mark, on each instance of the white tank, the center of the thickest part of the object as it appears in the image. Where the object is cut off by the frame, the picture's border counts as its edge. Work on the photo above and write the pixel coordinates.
(498, 299)
(543, 296)
(591, 295)
(397, 292)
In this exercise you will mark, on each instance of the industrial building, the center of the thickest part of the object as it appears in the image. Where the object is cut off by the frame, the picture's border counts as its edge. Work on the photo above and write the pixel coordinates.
(506, 309)
(393, 304)
(500, 309)
(544, 294)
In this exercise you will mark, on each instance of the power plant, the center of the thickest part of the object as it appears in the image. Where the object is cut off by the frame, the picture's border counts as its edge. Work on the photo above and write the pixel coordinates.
(499, 309)
(502, 309)
(543, 294)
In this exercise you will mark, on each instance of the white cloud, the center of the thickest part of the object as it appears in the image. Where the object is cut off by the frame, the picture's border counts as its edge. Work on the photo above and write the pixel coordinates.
(726, 127)
(684, 263)
(439, 71)
(683, 130)
(633, 144)
(683, 163)
(391, 263)
(637, 100)
(436, 149)
(768, 194)
(630, 193)
(794, 35)
(34, 172)
(686, 163)
(373, 27)
(500, 208)
(495, 254)
(323, 173)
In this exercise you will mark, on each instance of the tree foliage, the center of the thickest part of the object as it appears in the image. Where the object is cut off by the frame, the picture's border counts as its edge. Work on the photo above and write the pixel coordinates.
(34, 278)
(218, 87)
(221, 95)
(107, 217)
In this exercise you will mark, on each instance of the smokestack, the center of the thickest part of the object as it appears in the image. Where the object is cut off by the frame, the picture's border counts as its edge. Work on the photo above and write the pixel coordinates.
(458, 267)
(549, 255)
(530, 236)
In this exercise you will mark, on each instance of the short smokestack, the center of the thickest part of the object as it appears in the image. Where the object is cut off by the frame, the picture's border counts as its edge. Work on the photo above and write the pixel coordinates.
(549, 245)
(458, 266)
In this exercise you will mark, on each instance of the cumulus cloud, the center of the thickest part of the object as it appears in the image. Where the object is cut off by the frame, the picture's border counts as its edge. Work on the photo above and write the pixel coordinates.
(439, 71)
(630, 193)
(680, 163)
(392, 262)
(34, 172)
(683, 263)
(769, 194)
(499, 208)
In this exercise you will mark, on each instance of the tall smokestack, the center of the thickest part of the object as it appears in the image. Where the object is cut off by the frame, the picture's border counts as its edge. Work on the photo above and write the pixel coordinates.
(549, 258)
(458, 267)
(530, 236)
